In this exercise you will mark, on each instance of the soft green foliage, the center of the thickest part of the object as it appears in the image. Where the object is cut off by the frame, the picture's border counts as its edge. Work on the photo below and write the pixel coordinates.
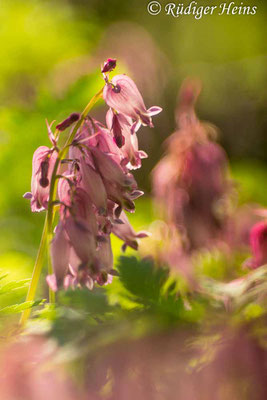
(238, 293)
(12, 295)
(18, 308)
(218, 264)
(142, 300)
(11, 290)
(10, 286)
(250, 176)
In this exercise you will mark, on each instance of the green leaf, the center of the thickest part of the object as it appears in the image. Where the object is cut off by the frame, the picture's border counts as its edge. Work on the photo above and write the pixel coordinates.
(142, 279)
(93, 302)
(17, 308)
(15, 285)
(152, 289)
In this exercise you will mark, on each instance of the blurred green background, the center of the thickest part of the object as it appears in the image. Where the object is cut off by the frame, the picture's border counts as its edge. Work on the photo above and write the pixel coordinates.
(51, 54)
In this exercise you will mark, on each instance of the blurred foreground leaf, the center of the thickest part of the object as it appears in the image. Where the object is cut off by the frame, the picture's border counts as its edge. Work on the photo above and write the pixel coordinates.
(10, 286)
(17, 308)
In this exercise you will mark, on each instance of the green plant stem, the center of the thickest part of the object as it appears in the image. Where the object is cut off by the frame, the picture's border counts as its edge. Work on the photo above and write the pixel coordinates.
(36, 274)
(48, 225)
(52, 295)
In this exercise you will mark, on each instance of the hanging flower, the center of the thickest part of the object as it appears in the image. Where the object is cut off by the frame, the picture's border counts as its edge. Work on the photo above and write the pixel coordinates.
(42, 167)
(123, 95)
(125, 232)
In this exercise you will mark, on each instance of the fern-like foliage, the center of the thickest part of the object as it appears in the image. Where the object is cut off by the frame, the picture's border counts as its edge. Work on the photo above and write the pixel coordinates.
(10, 294)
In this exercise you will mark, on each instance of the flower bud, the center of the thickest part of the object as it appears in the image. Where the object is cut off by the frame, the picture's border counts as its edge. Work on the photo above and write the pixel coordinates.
(109, 65)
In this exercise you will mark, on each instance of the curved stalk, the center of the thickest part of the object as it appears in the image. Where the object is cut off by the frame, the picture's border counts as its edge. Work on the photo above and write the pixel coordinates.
(36, 273)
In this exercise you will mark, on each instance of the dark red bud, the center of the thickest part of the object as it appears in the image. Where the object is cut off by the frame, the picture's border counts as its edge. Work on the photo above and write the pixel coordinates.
(68, 121)
(109, 65)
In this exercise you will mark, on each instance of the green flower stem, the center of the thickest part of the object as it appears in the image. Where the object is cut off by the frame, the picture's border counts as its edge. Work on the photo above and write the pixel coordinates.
(36, 274)
(52, 295)
(48, 225)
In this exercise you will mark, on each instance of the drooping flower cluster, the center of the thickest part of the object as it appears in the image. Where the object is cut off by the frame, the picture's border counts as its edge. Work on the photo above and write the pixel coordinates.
(95, 186)
(190, 182)
(196, 198)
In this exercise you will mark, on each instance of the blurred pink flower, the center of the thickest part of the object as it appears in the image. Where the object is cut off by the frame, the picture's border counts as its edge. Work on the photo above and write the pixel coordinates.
(190, 183)
(27, 372)
(258, 243)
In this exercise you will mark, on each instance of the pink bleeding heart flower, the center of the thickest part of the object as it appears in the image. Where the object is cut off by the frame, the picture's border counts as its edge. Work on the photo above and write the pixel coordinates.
(104, 141)
(92, 183)
(258, 243)
(111, 171)
(121, 196)
(64, 188)
(120, 126)
(42, 167)
(132, 156)
(78, 273)
(82, 208)
(123, 95)
(77, 204)
(95, 135)
(104, 255)
(115, 123)
(60, 251)
(125, 232)
(81, 238)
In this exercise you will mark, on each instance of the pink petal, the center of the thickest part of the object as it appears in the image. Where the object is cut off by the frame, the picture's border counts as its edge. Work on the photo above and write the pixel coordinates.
(52, 282)
(123, 96)
(93, 185)
(60, 251)
(154, 110)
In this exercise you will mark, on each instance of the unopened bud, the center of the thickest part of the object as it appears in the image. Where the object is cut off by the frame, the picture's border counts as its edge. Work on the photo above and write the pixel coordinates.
(109, 65)
(68, 121)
